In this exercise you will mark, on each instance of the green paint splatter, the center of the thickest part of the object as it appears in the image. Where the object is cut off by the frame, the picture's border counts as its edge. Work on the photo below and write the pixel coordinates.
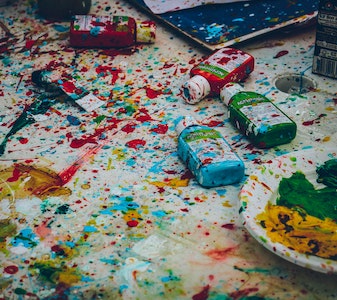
(48, 273)
(293, 158)
(327, 173)
(20, 291)
(99, 119)
(63, 209)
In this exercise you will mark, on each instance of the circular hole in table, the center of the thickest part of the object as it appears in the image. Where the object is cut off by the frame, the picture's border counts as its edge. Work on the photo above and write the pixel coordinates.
(291, 83)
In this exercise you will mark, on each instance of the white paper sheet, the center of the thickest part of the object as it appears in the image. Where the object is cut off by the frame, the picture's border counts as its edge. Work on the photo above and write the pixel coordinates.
(162, 6)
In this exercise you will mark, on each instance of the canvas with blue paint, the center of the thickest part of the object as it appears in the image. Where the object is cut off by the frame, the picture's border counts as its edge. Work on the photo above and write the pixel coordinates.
(219, 25)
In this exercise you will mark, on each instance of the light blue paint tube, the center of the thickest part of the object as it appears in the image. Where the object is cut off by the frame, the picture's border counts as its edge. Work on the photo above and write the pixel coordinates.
(207, 154)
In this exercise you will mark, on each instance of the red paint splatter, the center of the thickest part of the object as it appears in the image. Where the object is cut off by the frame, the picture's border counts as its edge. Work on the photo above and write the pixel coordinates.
(66, 174)
(108, 70)
(192, 61)
(29, 44)
(77, 143)
(242, 293)
(52, 109)
(143, 116)
(11, 269)
(69, 87)
(170, 172)
(203, 295)
(220, 254)
(160, 189)
(160, 129)
(281, 53)
(132, 223)
(187, 175)
(184, 70)
(266, 186)
(58, 250)
(213, 123)
(69, 136)
(167, 65)
(229, 226)
(151, 93)
(23, 140)
(128, 128)
(136, 143)
(15, 176)
(197, 199)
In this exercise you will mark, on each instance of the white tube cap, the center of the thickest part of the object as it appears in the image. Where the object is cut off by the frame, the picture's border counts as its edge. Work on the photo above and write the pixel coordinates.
(195, 89)
(228, 91)
(184, 122)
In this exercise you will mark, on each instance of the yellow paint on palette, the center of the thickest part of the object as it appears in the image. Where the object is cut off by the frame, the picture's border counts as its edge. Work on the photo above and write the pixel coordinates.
(299, 231)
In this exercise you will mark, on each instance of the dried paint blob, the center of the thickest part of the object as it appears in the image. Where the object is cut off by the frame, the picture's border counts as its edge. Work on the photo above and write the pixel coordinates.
(25, 181)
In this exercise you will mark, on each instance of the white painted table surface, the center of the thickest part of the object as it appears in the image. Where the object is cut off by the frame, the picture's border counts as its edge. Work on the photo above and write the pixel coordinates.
(186, 242)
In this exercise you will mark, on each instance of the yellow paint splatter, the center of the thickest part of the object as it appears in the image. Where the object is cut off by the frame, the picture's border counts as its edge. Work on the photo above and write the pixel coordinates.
(119, 153)
(226, 204)
(326, 139)
(132, 215)
(109, 163)
(85, 186)
(175, 182)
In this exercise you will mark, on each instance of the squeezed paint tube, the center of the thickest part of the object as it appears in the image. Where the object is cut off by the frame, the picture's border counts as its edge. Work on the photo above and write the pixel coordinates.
(85, 99)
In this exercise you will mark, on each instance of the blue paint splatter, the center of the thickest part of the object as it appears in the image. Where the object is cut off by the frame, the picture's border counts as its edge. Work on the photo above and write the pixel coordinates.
(26, 238)
(61, 28)
(73, 120)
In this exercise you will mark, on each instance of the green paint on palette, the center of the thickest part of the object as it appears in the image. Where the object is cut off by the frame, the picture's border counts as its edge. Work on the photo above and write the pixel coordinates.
(297, 191)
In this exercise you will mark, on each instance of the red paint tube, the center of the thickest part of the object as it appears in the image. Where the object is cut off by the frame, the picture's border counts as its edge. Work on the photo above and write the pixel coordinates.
(211, 75)
(92, 31)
